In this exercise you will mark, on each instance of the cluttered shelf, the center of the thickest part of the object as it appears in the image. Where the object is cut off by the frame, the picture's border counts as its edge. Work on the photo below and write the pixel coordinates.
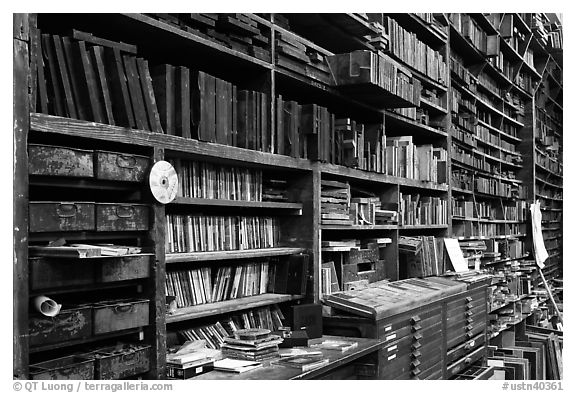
(233, 254)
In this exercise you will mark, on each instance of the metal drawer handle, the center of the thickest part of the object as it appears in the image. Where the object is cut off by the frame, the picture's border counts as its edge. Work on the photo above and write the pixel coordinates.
(468, 299)
(65, 210)
(415, 328)
(469, 313)
(125, 211)
(417, 336)
(416, 345)
(416, 354)
(123, 308)
(467, 360)
(416, 363)
(127, 162)
(470, 344)
(416, 371)
(415, 319)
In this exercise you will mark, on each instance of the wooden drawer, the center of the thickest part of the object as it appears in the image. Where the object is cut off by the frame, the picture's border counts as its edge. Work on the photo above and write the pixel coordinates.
(456, 337)
(121, 167)
(59, 161)
(129, 267)
(69, 367)
(122, 217)
(54, 273)
(114, 315)
(458, 366)
(71, 323)
(120, 361)
(61, 216)
(465, 348)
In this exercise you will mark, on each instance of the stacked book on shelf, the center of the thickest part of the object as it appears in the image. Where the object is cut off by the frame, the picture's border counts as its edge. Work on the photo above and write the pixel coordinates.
(471, 30)
(251, 344)
(193, 233)
(241, 32)
(422, 256)
(358, 145)
(421, 162)
(214, 333)
(408, 48)
(416, 209)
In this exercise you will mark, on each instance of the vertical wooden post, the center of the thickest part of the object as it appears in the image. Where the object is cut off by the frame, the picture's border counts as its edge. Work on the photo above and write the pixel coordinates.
(156, 287)
(21, 122)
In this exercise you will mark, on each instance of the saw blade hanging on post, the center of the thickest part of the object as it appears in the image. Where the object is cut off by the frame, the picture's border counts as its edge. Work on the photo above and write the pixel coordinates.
(163, 182)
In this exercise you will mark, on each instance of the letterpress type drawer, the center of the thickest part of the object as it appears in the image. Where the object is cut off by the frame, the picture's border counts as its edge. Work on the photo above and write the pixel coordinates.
(59, 161)
(466, 347)
(122, 217)
(129, 267)
(61, 216)
(72, 322)
(69, 367)
(114, 315)
(55, 273)
(464, 362)
(121, 361)
(121, 167)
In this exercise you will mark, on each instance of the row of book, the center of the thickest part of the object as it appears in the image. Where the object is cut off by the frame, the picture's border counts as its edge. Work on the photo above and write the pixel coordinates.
(489, 210)
(363, 68)
(407, 47)
(240, 32)
(499, 188)
(462, 179)
(471, 30)
(464, 136)
(473, 228)
(502, 64)
(461, 103)
(464, 77)
(486, 134)
(205, 285)
(421, 162)
(490, 84)
(416, 209)
(506, 248)
(422, 256)
(199, 179)
(214, 333)
(193, 233)
(88, 78)
(477, 161)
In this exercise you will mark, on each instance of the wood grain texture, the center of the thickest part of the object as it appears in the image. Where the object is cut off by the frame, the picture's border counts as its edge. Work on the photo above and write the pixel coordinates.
(64, 126)
(20, 121)
(236, 254)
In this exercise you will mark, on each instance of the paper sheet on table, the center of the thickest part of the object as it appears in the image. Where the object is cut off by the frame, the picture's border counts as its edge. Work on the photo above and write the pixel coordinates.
(540, 252)
(455, 253)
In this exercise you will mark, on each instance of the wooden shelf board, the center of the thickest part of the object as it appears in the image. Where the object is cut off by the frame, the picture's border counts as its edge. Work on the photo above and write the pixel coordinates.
(357, 227)
(359, 174)
(486, 220)
(462, 191)
(414, 126)
(482, 172)
(234, 254)
(511, 137)
(72, 127)
(490, 237)
(463, 47)
(547, 183)
(226, 306)
(69, 343)
(423, 78)
(86, 288)
(235, 203)
(412, 227)
(421, 28)
(433, 106)
(80, 182)
(548, 171)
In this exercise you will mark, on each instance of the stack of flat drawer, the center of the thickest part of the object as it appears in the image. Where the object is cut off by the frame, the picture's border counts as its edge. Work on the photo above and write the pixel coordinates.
(423, 337)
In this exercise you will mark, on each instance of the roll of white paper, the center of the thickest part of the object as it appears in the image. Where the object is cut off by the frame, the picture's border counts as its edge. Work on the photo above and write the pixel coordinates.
(47, 306)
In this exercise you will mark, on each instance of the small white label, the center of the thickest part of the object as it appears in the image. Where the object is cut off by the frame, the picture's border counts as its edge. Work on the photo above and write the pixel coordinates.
(141, 336)
(388, 328)
(392, 357)
(390, 337)
(392, 348)
(199, 369)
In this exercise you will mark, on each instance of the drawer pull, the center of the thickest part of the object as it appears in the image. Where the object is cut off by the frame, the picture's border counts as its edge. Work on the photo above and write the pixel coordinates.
(416, 371)
(416, 354)
(469, 334)
(125, 211)
(417, 327)
(123, 308)
(415, 319)
(416, 345)
(127, 162)
(469, 313)
(469, 327)
(415, 363)
(467, 360)
(470, 344)
(469, 306)
(468, 299)
(469, 320)
(66, 210)
(417, 336)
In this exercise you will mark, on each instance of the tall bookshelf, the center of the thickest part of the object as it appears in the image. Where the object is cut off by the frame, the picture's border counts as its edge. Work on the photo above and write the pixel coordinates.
(293, 63)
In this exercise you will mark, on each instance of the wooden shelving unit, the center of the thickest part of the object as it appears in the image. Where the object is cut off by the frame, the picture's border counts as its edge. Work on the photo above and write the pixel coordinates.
(509, 132)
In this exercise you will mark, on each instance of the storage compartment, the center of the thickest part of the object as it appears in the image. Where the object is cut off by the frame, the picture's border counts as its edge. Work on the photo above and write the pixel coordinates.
(121, 361)
(59, 161)
(72, 322)
(122, 217)
(69, 367)
(114, 315)
(61, 216)
(128, 267)
(59, 272)
(121, 167)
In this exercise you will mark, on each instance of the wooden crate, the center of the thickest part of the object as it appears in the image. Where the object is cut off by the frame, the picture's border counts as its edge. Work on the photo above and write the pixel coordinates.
(61, 216)
(54, 273)
(121, 361)
(72, 322)
(120, 167)
(59, 161)
(114, 315)
(129, 267)
(122, 217)
(69, 367)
